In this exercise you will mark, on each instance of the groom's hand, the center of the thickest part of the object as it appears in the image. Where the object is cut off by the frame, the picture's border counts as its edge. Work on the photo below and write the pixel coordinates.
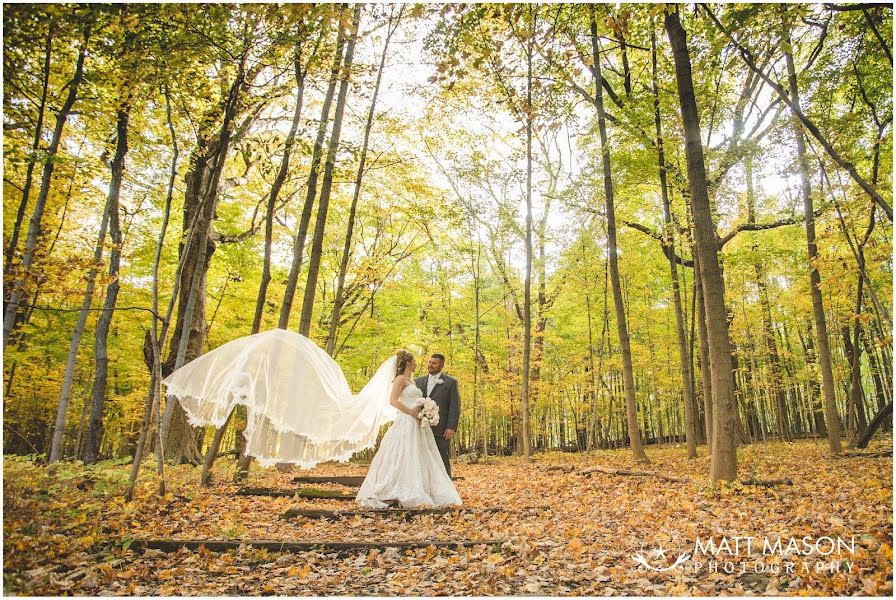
(449, 433)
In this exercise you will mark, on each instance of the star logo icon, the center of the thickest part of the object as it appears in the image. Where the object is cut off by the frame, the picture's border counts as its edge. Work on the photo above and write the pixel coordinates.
(641, 558)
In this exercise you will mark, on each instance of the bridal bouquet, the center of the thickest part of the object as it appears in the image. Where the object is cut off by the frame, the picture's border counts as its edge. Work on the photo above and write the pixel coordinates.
(430, 413)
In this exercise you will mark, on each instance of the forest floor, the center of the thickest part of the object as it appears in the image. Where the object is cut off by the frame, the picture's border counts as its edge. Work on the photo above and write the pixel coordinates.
(67, 532)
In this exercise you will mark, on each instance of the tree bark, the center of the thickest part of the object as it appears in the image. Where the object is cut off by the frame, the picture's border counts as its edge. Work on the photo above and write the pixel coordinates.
(527, 285)
(702, 335)
(684, 355)
(32, 160)
(154, 396)
(56, 450)
(317, 241)
(275, 191)
(347, 247)
(723, 461)
(95, 427)
(188, 338)
(621, 325)
(311, 187)
(20, 287)
(821, 329)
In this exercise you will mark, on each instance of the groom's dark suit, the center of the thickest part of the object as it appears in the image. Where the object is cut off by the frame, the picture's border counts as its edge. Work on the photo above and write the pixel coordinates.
(447, 397)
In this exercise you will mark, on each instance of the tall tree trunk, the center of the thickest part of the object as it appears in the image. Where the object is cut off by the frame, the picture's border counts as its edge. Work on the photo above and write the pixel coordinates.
(275, 190)
(298, 248)
(154, 396)
(211, 454)
(32, 159)
(188, 337)
(815, 399)
(317, 242)
(702, 335)
(593, 429)
(95, 428)
(621, 325)
(347, 247)
(541, 298)
(821, 328)
(856, 420)
(56, 450)
(20, 286)
(723, 461)
(527, 289)
(479, 359)
(684, 355)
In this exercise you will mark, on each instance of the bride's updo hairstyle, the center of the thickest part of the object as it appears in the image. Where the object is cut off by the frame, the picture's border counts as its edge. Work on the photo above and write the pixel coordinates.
(404, 357)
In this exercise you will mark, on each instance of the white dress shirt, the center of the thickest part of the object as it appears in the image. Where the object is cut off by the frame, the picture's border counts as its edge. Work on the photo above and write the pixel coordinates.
(431, 382)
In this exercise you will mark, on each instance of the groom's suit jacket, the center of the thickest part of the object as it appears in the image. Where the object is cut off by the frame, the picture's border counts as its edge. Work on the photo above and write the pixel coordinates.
(447, 396)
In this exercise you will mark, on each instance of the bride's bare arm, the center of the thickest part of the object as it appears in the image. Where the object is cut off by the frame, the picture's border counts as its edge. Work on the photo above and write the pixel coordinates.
(397, 387)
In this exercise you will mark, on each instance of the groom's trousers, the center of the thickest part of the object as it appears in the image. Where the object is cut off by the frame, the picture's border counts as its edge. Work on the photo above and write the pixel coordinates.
(442, 444)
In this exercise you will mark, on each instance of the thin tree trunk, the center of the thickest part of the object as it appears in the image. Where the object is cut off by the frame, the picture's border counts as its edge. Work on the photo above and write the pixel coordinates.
(683, 353)
(20, 287)
(317, 241)
(723, 462)
(311, 187)
(527, 290)
(817, 401)
(702, 334)
(880, 392)
(347, 247)
(595, 416)
(824, 352)
(624, 343)
(95, 427)
(56, 449)
(153, 400)
(771, 346)
(275, 191)
(32, 160)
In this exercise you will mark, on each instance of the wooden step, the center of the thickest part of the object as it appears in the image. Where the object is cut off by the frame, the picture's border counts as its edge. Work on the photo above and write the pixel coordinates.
(312, 493)
(404, 513)
(346, 480)
(284, 546)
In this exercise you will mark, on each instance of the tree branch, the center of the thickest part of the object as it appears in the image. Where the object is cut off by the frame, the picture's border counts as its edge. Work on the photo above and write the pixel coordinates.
(846, 165)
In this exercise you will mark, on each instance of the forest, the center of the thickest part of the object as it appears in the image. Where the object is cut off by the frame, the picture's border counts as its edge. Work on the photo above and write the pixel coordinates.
(624, 225)
(655, 234)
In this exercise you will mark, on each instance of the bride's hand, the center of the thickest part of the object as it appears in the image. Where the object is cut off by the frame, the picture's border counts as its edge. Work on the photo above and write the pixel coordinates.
(415, 412)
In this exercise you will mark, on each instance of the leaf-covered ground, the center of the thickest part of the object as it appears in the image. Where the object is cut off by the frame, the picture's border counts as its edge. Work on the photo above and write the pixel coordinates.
(63, 530)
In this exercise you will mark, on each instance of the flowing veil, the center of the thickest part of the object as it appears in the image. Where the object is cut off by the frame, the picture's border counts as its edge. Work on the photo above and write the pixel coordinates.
(299, 405)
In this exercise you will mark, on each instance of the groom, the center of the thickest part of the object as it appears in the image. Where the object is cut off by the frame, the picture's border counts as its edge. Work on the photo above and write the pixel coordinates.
(443, 390)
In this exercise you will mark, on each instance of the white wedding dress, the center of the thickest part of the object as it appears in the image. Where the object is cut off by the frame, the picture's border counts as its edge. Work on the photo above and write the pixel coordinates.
(407, 468)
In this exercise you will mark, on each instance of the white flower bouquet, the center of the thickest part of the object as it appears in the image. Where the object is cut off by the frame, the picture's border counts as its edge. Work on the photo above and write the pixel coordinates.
(429, 416)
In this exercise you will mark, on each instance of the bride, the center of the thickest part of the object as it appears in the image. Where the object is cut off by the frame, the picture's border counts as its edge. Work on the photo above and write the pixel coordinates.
(407, 470)
(300, 410)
